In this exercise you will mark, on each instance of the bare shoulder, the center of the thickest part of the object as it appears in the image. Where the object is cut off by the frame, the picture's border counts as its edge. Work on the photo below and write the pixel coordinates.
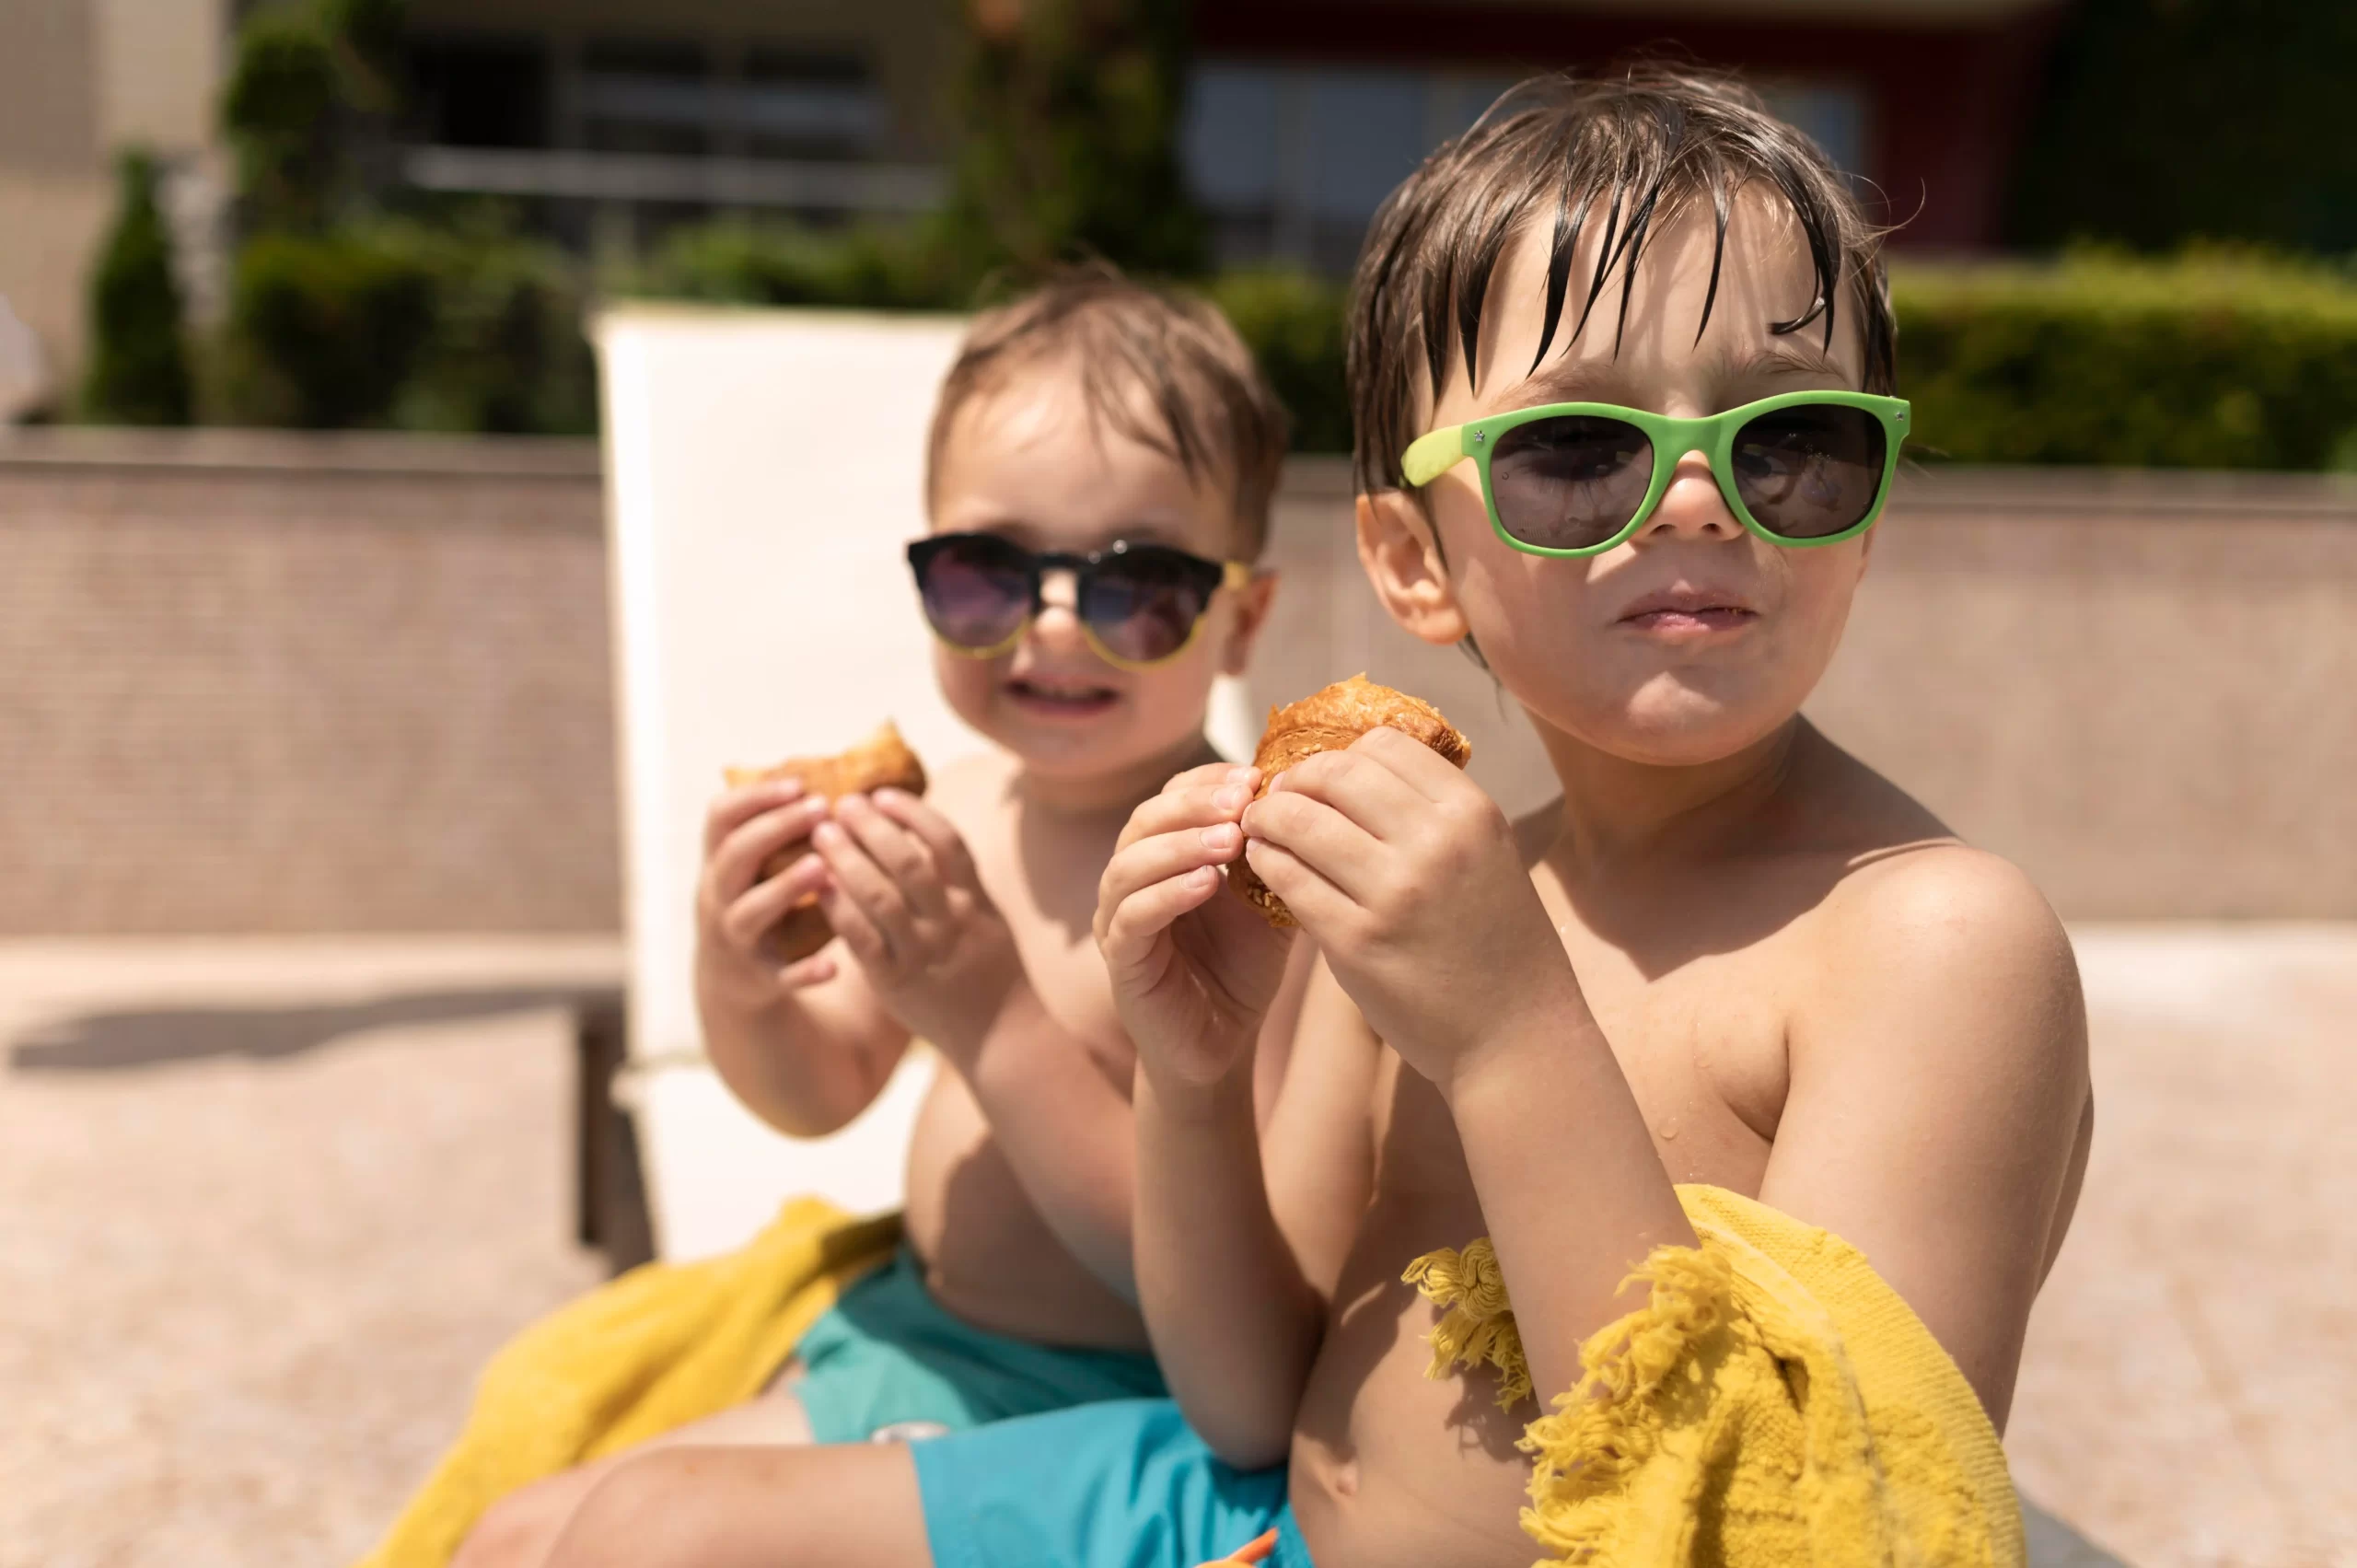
(1919, 921)
(1946, 964)
(971, 790)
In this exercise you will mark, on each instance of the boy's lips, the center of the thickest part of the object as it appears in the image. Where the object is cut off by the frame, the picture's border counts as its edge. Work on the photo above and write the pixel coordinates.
(1054, 698)
(1689, 612)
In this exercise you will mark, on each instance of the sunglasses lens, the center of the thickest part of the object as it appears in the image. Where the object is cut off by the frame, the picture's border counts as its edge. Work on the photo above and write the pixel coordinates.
(976, 590)
(1570, 481)
(1143, 603)
(1811, 470)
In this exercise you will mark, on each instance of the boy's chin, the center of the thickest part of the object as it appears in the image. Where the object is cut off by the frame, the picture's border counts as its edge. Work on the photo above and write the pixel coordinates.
(1680, 729)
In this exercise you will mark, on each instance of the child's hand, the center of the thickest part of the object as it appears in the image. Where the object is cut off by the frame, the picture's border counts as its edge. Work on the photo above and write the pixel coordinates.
(736, 909)
(1192, 973)
(1407, 877)
(901, 892)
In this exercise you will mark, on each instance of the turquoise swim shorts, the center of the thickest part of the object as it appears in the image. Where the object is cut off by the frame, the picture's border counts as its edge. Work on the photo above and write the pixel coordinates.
(1120, 1485)
(887, 1363)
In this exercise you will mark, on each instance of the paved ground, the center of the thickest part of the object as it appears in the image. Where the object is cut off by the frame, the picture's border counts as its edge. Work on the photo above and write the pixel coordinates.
(264, 1207)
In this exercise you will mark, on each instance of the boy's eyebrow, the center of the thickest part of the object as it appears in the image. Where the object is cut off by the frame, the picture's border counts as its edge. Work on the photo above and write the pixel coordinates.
(1569, 381)
(1787, 356)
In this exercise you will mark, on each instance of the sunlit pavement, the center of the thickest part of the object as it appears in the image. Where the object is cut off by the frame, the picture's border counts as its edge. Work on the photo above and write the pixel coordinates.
(266, 1205)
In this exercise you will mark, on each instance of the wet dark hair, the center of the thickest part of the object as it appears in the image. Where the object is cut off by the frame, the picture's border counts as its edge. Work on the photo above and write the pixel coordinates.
(1212, 412)
(1627, 151)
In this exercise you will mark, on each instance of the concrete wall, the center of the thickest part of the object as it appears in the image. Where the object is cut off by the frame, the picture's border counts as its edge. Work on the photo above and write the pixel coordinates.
(273, 683)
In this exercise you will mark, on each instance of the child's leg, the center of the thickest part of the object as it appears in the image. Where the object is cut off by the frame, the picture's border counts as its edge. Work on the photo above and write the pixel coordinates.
(841, 1505)
(519, 1530)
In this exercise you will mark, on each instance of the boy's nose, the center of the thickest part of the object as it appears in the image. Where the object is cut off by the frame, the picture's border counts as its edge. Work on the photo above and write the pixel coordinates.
(1692, 505)
(1058, 623)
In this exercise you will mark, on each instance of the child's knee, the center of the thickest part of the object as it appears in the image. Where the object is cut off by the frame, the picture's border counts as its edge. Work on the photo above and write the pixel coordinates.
(520, 1530)
(629, 1519)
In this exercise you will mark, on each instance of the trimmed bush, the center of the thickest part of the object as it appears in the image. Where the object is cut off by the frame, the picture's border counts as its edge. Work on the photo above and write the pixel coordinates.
(139, 368)
(282, 112)
(1294, 323)
(739, 262)
(2211, 360)
(506, 355)
(326, 330)
(391, 325)
(1071, 114)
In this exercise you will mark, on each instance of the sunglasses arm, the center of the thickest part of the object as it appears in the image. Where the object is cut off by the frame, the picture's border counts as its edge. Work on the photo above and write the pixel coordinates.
(1431, 454)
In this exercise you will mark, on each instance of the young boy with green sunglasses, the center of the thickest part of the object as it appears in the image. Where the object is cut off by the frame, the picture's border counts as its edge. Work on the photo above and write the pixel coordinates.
(1746, 967)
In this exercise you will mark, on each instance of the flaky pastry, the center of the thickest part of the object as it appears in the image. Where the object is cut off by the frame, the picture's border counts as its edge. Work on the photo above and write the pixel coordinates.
(881, 761)
(1330, 720)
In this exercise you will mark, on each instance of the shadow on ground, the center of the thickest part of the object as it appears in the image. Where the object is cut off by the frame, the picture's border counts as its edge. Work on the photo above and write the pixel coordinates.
(99, 1042)
(2053, 1544)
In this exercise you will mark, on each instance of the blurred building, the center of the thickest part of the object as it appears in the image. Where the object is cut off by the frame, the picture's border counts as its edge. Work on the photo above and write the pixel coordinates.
(79, 81)
(611, 119)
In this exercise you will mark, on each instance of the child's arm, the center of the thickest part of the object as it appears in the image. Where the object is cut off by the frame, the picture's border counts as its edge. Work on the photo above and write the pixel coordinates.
(1408, 878)
(806, 1046)
(1234, 1318)
(1939, 1102)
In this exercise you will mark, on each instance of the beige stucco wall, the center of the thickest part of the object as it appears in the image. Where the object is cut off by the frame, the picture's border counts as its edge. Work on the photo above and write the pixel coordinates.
(286, 684)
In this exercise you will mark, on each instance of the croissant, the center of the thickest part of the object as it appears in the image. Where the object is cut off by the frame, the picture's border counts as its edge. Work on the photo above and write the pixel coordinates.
(881, 761)
(1329, 721)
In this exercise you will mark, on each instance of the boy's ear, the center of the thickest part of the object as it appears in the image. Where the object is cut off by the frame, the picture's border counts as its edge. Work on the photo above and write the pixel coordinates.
(1252, 602)
(1403, 563)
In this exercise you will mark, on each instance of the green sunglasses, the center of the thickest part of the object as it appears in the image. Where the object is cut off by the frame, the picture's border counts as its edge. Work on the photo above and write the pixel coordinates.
(1577, 479)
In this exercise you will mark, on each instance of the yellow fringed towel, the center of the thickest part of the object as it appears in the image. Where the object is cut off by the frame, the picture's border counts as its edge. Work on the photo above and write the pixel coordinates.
(661, 1346)
(1773, 1404)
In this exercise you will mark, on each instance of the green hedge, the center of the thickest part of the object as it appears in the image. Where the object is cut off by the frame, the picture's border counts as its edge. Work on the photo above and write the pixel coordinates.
(746, 262)
(398, 325)
(2206, 361)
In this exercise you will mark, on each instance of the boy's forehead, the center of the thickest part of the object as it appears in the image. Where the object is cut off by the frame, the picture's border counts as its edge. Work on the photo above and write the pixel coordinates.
(1027, 456)
(1763, 275)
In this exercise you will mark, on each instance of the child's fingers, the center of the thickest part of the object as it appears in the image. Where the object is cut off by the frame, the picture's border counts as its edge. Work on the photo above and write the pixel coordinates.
(897, 853)
(1166, 856)
(1128, 930)
(737, 864)
(816, 969)
(1190, 801)
(950, 857)
(859, 930)
(1363, 788)
(732, 808)
(1418, 766)
(1311, 831)
(1317, 902)
(858, 881)
(752, 915)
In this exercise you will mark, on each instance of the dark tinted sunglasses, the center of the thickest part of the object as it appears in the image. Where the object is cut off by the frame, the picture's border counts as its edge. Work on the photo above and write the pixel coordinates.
(1577, 479)
(1138, 604)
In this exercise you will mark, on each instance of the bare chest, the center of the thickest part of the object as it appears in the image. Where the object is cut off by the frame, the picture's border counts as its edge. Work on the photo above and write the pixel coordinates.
(1043, 884)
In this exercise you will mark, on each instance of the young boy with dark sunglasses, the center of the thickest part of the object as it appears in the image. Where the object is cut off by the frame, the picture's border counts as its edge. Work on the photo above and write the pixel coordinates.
(1620, 362)
(1101, 465)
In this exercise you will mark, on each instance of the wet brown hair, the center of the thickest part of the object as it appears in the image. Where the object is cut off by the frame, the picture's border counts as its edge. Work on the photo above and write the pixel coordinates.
(1627, 151)
(1211, 409)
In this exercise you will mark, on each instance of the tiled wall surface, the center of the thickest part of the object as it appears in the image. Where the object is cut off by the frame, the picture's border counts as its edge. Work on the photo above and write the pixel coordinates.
(281, 684)
(276, 684)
